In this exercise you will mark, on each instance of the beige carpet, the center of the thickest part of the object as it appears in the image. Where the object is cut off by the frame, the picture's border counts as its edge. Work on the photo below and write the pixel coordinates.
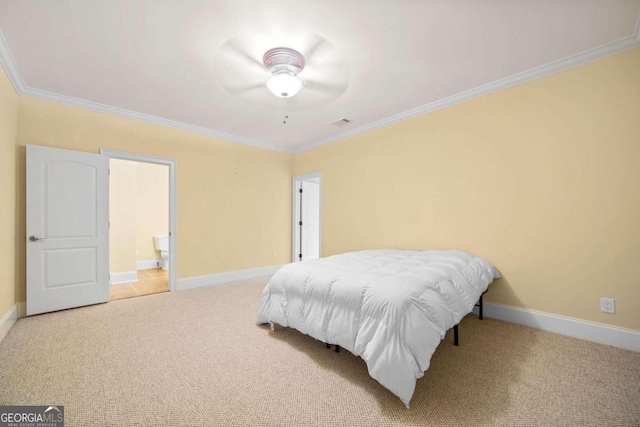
(196, 358)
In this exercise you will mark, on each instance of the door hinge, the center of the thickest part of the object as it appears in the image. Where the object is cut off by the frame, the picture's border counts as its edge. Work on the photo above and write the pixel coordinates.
(300, 255)
(300, 223)
(301, 190)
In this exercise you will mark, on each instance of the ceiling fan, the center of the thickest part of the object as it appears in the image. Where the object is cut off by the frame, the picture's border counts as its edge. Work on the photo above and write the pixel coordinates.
(308, 73)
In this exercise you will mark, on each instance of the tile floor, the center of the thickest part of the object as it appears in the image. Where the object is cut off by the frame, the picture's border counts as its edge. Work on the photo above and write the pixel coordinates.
(151, 281)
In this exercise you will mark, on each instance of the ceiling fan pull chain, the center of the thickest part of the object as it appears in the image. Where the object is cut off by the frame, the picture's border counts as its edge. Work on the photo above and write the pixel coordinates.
(284, 111)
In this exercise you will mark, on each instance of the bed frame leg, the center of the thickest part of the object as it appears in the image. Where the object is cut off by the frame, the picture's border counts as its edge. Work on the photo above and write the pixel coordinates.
(328, 345)
(480, 311)
(455, 335)
(273, 326)
(337, 349)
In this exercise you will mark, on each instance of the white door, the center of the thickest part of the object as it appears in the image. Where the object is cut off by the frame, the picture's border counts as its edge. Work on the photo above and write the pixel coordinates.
(67, 229)
(307, 191)
(310, 219)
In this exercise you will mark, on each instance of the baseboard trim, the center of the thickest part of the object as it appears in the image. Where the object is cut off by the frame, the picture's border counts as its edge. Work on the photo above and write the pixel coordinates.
(226, 277)
(125, 276)
(22, 309)
(150, 263)
(576, 328)
(7, 321)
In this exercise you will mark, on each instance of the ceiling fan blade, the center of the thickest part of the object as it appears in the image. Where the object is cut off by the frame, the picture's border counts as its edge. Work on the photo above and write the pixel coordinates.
(334, 88)
(239, 90)
(235, 48)
(312, 46)
(306, 100)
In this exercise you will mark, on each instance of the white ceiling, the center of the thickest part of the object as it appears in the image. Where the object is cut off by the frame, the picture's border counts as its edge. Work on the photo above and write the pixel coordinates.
(166, 61)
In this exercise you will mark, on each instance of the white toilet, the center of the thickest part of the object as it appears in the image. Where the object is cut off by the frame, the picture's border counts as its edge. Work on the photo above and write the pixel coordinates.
(162, 245)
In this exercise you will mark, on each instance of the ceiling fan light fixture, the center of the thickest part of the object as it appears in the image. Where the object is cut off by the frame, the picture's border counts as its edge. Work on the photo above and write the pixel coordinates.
(284, 85)
(284, 64)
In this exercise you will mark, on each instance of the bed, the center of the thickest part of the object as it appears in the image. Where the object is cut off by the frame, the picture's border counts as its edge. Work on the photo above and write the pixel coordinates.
(390, 307)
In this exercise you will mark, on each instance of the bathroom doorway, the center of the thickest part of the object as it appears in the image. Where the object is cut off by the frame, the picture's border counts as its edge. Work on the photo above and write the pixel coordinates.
(141, 225)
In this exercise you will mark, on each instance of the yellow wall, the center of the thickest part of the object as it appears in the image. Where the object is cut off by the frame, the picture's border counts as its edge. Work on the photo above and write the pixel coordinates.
(122, 216)
(542, 179)
(234, 201)
(8, 129)
(152, 208)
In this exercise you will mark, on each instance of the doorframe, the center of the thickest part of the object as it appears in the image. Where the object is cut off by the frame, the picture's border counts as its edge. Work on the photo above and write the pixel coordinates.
(173, 218)
(298, 179)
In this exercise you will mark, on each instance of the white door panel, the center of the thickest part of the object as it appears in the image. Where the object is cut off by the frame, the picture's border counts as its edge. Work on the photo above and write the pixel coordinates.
(67, 209)
(70, 199)
(310, 219)
(307, 221)
(69, 267)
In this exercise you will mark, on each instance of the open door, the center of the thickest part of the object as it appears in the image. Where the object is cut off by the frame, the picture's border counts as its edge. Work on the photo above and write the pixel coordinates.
(307, 190)
(67, 229)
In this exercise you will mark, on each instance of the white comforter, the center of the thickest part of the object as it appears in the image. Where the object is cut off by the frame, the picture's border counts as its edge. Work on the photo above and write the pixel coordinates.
(390, 307)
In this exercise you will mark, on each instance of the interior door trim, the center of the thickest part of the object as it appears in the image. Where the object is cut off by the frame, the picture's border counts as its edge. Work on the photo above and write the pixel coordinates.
(173, 211)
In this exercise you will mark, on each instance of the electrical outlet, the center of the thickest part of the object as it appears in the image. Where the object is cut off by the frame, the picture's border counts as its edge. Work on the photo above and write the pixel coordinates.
(607, 305)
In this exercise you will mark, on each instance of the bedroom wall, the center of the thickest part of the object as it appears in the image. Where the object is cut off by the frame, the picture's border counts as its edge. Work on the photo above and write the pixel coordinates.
(8, 130)
(541, 179)
(234, 201)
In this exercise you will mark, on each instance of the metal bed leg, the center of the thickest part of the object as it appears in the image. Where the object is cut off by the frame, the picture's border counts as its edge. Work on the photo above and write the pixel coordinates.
(455, 335)
(337, 348)
(480, 305)
(328, 345)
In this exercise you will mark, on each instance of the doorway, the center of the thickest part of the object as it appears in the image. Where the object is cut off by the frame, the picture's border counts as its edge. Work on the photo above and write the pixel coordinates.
(142, 250)
(307, 217)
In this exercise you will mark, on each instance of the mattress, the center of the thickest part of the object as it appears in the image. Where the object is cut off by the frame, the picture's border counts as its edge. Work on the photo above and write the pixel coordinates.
(390, 307)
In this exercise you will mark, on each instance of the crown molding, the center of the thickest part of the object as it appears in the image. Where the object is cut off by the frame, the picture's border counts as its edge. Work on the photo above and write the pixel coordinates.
(147, 118)
(8, 63)
(516, 79)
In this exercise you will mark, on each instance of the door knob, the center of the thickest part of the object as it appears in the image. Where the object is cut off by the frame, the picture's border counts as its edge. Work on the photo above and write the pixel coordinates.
(35, 238)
